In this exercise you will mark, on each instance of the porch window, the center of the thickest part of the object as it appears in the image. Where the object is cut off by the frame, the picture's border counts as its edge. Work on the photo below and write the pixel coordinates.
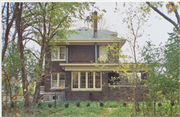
(57, 80)
(58, 53)
(98, 80)
(86, 81)
(90, 79)
(115, 79)
(83, 79)
(132, 76)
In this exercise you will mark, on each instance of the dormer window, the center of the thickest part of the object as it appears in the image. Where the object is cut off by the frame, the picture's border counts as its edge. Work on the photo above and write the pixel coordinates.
(59, 53)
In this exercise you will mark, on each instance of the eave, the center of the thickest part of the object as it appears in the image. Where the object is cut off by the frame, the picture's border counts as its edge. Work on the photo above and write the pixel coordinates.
(99, 67)
(90, 42)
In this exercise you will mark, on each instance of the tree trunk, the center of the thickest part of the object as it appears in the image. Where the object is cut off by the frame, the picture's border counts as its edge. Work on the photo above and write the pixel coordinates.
(37, 89)
(154, 108)
(9, 23)
(21, 47)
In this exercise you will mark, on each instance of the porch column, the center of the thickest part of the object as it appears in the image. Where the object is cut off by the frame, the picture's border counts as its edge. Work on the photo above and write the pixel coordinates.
(66, 54)
(95, 52)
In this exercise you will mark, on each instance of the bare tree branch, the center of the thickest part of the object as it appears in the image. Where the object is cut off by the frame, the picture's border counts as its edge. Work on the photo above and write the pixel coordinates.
(177, 15)
(3, 8)
(8, 27)
(164, 16)
(32, 40)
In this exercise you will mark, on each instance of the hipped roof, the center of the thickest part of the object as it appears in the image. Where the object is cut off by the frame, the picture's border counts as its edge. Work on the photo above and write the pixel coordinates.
(88, 34)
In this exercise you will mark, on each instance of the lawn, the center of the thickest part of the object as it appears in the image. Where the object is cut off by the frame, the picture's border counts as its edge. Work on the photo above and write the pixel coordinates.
(109, 108)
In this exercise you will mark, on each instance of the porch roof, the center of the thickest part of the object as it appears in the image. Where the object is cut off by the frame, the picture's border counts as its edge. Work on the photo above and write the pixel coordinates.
(102, 67)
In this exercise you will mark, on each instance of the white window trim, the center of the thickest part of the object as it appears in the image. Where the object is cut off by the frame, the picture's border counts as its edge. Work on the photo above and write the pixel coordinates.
(58, 48)
(58, 78)
(86, 89)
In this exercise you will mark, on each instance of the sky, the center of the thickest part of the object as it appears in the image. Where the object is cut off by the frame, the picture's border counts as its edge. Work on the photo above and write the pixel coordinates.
(157, 32)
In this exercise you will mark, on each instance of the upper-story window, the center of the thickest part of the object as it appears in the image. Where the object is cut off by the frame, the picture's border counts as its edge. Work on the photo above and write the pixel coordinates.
(59, 53)
(109, 53)
(103, 53)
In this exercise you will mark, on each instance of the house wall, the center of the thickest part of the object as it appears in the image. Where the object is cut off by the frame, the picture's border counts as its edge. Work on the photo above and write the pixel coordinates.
(107, 93)
(81, 53)
(86, 54)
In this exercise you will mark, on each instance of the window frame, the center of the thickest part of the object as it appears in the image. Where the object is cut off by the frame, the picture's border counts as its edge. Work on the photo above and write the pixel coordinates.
(104, 57)
(58, 52)
(86, 86)
(58, 80)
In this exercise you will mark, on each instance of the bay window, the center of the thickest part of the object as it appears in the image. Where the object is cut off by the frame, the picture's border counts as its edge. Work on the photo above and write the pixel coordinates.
(86, 81)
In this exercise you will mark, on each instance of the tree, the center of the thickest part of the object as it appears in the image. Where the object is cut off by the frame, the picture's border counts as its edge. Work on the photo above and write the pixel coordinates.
(8, 17)
(12, 75)
(135, 18)
(163, 70)
(51, 21)
(20, 30)
(171, 7)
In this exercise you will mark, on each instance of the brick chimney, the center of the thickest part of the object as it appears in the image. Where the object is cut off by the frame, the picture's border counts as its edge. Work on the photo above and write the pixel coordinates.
(95, 25)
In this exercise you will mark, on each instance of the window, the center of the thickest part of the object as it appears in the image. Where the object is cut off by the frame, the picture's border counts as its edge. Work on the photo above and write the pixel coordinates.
(103, 53)
(86, 81)
(59, 53)
(75, 79)
(83, 79)
(57, 80)
(90, 79)
(132, 76)
(113, 78)
(123, 79)
(98, 80)
(109, 53)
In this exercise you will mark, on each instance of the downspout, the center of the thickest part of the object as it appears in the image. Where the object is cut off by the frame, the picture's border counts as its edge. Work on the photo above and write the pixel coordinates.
(66, 54)
(95, 52)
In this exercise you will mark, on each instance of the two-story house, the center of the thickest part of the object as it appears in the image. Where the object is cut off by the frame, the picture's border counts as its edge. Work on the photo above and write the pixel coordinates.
(76, 73)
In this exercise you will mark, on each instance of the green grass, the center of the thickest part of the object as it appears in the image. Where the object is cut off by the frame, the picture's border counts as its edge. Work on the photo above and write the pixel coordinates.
(110, 108)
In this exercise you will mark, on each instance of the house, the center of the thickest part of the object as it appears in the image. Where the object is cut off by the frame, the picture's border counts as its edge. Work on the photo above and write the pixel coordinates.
(76, 72)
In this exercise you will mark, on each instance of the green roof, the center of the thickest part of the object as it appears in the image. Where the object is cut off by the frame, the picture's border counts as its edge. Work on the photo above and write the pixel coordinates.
(88, 34)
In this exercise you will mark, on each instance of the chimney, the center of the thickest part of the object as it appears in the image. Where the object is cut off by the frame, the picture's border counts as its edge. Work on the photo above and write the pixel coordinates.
(95, 25)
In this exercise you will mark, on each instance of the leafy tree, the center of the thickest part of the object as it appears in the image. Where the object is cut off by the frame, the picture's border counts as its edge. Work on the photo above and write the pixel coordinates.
(163, 70)
(19, 7)
(51, 21)
(11, 78)
(11, 70)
